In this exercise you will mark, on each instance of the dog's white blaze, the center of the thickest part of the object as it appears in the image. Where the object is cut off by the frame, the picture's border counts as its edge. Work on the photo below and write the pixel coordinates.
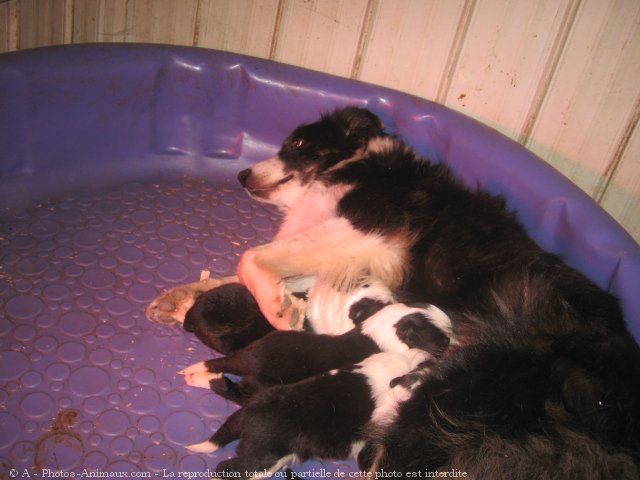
(328, 308)
(268, 172)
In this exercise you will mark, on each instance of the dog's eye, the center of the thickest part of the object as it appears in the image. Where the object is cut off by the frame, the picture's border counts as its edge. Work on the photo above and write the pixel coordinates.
(296, 144)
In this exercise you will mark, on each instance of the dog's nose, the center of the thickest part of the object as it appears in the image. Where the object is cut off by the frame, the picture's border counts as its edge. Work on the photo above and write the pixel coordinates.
(243, 176)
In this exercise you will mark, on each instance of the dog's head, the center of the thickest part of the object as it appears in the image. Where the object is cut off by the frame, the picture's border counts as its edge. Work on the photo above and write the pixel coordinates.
(309, 151)
(399, 327)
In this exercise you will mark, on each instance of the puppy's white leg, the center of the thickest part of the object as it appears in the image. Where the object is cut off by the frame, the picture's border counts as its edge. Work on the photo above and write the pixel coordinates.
(201, 379)
(204, 447)
(195, 368)
(171, 306)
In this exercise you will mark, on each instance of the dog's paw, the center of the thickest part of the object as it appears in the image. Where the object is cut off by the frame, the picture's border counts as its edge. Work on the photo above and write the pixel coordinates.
(203, 447)
(200, 379)
(171, 307)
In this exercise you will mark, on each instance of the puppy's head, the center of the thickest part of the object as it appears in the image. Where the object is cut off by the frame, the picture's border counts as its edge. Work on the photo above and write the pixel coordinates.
(309, 151)
(399, 327)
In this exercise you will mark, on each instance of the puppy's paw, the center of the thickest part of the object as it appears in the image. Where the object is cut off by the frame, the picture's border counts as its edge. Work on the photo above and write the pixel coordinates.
(199, 367)
(203, 447)
(171, 307)
(201, 380)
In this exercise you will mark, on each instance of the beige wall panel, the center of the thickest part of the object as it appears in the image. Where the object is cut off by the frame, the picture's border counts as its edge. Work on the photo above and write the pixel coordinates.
(8, 26)
(622, 197)
(592, 95)
(86, 20)
(100, 21)
(240, 26)
(113, 21)
(410, 43)
(161, 21)
(44, 22)
(320, 34)
(503, 59)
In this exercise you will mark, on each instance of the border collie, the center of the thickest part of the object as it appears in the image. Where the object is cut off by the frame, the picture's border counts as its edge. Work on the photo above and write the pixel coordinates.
(284, 357)
(547, 370)
(546, 378)
(324, 416)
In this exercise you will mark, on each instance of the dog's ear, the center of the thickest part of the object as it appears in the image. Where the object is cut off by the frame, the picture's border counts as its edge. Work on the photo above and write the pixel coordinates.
(360, 123)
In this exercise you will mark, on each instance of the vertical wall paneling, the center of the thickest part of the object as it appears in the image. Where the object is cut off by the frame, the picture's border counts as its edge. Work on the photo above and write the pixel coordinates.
(320, 34)
(161, 21)
(8, 26)
(410, 53)
(86, 21)
(622, 195)
(502, 58)
(239, 26)
(592, 94)
(44, 22)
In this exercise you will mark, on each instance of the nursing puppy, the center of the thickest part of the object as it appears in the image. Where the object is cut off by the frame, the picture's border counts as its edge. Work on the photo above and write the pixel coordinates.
(284, 357)
(324, 416)
(227, 318)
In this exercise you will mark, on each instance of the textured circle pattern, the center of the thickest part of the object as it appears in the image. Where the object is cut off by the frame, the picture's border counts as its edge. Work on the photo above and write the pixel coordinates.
(86, 381)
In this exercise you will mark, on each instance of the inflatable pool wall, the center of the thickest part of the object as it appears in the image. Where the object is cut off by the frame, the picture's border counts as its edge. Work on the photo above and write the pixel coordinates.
(117, 180)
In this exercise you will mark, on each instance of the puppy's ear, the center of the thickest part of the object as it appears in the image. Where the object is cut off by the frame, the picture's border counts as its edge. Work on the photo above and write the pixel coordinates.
(360, 123)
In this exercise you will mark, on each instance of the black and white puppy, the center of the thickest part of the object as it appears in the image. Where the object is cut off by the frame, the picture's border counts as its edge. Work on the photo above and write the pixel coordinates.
(322, 417)
(284, 357)
(327, 415)
(227, 318)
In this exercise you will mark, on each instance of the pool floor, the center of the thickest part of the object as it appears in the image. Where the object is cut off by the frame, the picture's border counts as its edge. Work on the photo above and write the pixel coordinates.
(87, 383)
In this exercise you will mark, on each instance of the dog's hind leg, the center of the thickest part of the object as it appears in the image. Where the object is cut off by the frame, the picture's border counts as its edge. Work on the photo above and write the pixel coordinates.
(171, 306)
(227, 433)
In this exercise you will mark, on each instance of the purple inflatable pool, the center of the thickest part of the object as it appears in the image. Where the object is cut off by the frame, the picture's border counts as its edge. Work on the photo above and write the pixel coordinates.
(117, 180)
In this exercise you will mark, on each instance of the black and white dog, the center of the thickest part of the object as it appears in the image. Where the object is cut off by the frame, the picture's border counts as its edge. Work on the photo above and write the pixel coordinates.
(547, 371)
(313, 402)
(285, 357)
(546, 380)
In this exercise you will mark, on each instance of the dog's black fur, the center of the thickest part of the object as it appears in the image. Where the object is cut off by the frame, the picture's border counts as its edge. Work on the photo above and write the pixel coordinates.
(226, 318)
(547, 379)
(284, 357)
